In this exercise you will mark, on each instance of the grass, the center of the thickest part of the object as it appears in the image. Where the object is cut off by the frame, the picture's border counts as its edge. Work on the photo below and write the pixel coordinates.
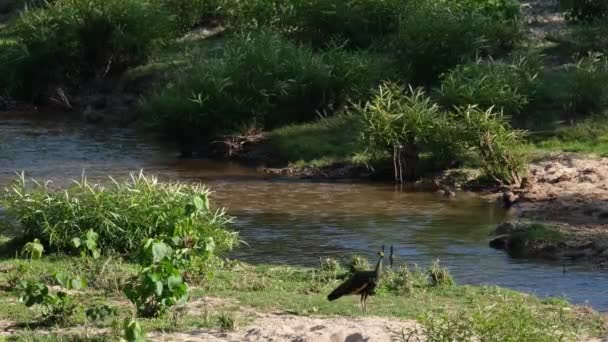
(407, 293)
(321, 143)
(589, 137)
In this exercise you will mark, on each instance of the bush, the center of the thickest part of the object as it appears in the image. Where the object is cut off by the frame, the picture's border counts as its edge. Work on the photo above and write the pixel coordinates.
(500, 148)
(188, 14)
(261, 79)
(586, 38)
(584, 10)
(123, 215)
(507, 86)
(403, 123)
(586, 90)
(434, 36)
(360, 22)
(69, 40)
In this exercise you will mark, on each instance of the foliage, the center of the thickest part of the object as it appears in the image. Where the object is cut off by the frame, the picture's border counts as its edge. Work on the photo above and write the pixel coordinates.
(188, 14)
(34, 249)
(584, 10)
(261, 79)
(586, 89)
(89, 246)
(227, 322)
(55, 307)
(359, 263)
(586, 38)
(133, 331)
(507, 86)
(405, 281)
(68, 40)
(404, 123)
(123, 214)
(440, 276)
(502, 321)
(360, 22)
(500, 148)
(434, 36)
(159, 285)
(99, 312)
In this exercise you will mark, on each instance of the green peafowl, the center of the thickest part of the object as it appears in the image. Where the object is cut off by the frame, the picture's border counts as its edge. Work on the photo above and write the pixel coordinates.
(360, 283)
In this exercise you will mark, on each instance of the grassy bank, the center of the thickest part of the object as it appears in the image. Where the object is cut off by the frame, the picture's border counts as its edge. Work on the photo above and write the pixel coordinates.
(229, 298)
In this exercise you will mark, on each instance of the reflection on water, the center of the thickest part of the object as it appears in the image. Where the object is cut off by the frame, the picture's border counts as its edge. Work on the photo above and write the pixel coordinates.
(300, 222)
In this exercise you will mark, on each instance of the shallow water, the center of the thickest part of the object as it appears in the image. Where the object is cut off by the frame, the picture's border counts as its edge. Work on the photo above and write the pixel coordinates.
(299, 222)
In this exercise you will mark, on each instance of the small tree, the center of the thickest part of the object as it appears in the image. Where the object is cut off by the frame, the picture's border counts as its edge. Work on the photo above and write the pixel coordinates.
(401, 121)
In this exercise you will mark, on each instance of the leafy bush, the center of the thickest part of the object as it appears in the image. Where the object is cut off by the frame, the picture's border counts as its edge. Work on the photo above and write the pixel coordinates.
(159, 285)
(586, 38)
(359, 263)
(261, 79)
(434, 36)
(507, 86)
(404, 123)
(584, 10)
(123, 215)
(499, 147)
(68, 40)
(360, 22)
(190, 13)
(440, 276)
(586, 90)
(55, 307)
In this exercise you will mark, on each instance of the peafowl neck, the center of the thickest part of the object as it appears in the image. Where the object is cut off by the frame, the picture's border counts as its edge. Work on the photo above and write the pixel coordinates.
(378, 269)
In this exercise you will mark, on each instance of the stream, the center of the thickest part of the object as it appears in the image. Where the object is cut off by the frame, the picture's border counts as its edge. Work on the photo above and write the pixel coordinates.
(288, 221)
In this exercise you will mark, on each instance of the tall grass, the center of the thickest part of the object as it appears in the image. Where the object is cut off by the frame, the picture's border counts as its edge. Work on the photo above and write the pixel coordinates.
(508, 86)
(261, 79)
(434, 36)
(123, 215)
(69, 40)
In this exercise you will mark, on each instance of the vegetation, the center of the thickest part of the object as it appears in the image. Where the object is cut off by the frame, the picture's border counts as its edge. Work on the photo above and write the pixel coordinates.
(124, 215)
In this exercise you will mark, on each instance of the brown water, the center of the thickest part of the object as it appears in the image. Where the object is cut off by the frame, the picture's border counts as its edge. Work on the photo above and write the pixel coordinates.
(299, 222)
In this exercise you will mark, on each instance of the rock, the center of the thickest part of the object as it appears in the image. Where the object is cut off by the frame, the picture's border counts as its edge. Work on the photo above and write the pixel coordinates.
(500, 242)
(509, 198)
(505, 228)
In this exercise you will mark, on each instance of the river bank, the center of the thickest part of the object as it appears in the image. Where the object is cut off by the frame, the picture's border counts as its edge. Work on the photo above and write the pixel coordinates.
(561, 211)
(269, 302)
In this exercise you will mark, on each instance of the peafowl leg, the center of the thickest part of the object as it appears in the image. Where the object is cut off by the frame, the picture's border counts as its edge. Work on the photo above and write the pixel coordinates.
(362, 303)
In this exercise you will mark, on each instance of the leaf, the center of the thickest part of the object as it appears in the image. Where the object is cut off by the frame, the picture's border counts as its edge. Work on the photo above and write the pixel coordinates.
(96, 254)
(160, 250)
(174, 282)
(133, 331)
(76, 242)
(159, 288)
(78, 283)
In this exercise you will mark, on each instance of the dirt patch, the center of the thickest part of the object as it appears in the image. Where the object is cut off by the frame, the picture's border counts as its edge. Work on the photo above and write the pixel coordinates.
(569, 195)
(278, 327)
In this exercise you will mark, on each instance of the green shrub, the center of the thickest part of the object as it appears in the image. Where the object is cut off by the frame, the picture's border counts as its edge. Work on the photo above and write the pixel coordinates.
(360, 22)
(159, 285)
(359, 263)
(586, 38)
(68, 40)
(191, 13)
(584, 10)
(403, 123)
(434, 36)
(261, 79)
(499, 147)
(586, 90)
(123, 214)
(440, 276)
(507, 86)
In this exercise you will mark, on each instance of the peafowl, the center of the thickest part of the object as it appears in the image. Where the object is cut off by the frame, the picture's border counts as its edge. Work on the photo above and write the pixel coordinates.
(360, 283)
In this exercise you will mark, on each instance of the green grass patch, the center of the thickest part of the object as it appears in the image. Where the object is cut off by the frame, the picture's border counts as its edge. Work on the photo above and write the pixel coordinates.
(589, 137)
(408, 293)
(324, 142)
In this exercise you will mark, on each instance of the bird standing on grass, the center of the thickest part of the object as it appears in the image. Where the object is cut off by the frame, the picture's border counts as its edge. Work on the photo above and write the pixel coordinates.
(360, 283)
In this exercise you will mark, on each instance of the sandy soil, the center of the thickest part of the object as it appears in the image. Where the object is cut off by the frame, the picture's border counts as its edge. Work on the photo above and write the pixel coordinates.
(277, 327)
